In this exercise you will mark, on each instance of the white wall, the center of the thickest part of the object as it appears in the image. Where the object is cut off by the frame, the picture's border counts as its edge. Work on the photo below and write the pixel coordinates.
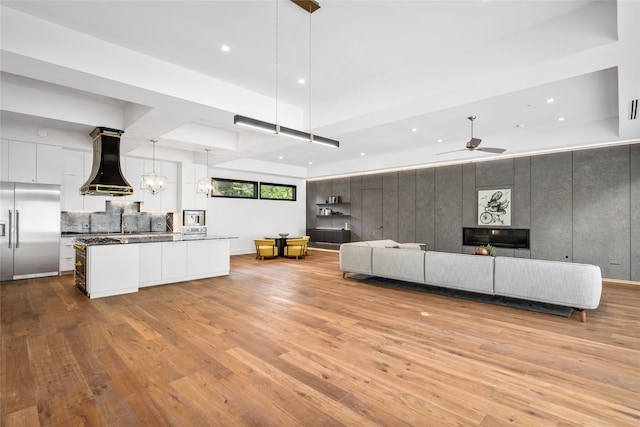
(250, 219)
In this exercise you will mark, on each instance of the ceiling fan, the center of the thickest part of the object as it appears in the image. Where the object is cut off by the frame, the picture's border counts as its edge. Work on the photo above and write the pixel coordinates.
(473, 143)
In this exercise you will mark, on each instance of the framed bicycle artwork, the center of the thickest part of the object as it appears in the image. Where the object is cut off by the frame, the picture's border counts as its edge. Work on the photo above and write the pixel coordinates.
(494, 207)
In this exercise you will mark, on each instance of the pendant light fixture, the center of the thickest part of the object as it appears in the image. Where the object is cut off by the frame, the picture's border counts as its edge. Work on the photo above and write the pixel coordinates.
(309, 6)
(205, 185)
(151, 182)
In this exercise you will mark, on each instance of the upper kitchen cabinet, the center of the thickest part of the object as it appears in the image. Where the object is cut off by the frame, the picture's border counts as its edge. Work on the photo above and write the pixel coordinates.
(166, 200)
(190, 174)
(29, 162)
(169, 200)
(48, 159)
(4, 160)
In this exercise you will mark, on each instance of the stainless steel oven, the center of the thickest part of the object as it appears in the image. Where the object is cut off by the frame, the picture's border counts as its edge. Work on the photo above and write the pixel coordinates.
(194, 218)
(194, 223)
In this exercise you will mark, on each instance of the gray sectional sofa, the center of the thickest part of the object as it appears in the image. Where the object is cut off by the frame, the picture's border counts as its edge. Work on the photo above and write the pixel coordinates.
(578, 286)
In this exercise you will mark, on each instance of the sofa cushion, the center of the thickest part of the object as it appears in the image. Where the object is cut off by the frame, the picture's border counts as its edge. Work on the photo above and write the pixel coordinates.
(459, 271)
(386, 243)
(561, 283)
(355, 258)
(398, 264)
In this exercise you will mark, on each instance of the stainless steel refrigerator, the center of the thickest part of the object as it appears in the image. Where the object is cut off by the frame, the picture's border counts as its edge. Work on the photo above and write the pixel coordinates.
(29, 230)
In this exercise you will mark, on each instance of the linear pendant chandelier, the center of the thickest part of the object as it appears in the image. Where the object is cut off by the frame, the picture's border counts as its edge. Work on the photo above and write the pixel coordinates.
(281, 130)
(309, 6)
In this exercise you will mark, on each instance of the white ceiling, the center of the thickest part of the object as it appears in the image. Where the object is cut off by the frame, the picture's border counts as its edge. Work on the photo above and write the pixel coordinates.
(377, 70)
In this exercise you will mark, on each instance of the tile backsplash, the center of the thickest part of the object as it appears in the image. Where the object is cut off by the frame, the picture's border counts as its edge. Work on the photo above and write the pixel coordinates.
(118, 217)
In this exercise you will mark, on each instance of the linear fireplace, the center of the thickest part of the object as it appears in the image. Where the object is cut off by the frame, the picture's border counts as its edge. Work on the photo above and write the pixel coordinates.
(498, 237)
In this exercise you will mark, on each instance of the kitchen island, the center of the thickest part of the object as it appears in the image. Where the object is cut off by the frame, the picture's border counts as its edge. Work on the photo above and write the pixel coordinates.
(123, 264)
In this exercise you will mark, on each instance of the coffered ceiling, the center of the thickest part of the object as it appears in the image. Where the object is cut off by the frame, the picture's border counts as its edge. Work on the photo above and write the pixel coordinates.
(393, 81)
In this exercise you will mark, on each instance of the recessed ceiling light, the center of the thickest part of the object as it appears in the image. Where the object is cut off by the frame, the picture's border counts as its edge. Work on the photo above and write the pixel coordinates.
(550, 100)
(301, 81)
(561, 119)
(281, 157)
(414, 130)
(362, 154)
(310, 163)
(440, 140)
(225, 48)
(520, 125)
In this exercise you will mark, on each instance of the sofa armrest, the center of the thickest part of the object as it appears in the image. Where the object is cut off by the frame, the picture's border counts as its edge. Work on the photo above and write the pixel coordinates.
(355, 258)
(562, 283)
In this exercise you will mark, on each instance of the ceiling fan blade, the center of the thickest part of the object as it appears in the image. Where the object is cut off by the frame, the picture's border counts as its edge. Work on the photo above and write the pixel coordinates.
(492, 150)
(454, 151)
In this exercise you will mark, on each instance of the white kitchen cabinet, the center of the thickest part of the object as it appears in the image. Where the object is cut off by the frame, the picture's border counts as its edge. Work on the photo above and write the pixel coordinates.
(152, 202)
(132, 170)
(198, 258)
(67, 255)
(219, 260)
(48, 161)
(22, 161)
(190, 174)
(112, 270)
(73, 162)
(156, 263)
(150, 272)
(70, 198)
(30, 162)
(4, 160)
(169, 200)
(174, 260)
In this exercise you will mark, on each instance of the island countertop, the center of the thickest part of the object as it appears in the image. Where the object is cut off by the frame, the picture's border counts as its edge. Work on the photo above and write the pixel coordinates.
(114, 239)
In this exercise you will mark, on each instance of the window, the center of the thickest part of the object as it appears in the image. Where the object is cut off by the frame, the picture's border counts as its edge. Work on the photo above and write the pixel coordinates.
(234, 188)
(277, 191)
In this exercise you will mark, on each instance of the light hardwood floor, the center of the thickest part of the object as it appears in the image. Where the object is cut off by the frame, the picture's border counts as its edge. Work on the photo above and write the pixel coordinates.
(290, 343)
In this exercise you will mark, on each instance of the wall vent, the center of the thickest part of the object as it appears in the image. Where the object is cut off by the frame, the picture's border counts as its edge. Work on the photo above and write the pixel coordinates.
(633, 109)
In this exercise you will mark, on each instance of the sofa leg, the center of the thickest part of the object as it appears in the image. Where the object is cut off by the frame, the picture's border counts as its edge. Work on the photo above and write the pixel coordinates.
(583, 315)
(344, 274)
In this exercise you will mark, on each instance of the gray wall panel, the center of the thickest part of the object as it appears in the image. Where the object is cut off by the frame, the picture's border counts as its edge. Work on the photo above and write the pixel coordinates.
(390, 206)
(324, 189)
(371, 181)
(522, 194)
(372, 214)
(635, 211)
(601, 220)
(551, 208)
(312, 208)
(356, 208)
(448, 209)
(425, 206)
(342, 188)
(469, 195)
(407, 206)
(495, 173)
